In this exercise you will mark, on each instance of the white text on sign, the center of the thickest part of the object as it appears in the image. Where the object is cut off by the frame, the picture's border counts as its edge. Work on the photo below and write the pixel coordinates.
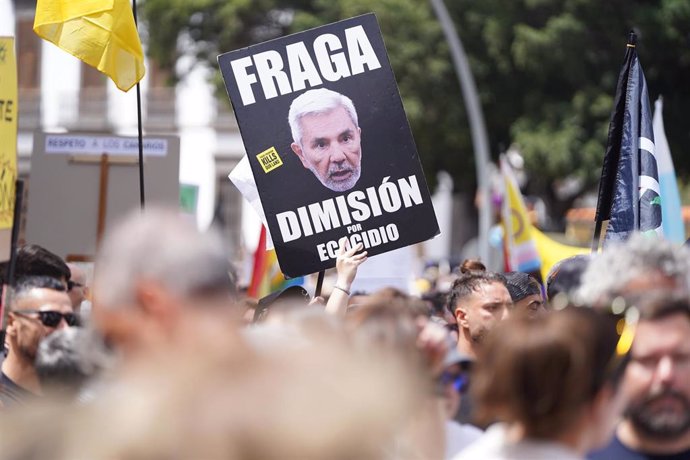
(331, 65)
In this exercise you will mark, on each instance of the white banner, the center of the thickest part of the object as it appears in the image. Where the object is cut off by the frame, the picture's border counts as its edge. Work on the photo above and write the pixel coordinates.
(97, 145)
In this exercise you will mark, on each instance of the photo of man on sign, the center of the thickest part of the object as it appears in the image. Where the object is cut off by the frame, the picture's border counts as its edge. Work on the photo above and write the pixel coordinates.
(327, 137)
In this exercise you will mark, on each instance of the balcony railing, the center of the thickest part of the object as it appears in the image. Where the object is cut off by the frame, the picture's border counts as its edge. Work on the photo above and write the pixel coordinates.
(86, 110)
(29, 109)
(160, 110)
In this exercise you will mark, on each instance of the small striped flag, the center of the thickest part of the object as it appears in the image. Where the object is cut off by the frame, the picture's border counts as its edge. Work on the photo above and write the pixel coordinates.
(266, 274)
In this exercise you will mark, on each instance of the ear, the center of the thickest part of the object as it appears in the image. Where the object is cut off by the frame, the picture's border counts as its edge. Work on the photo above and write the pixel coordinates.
(11, 329)
(155, 301)
(461, 317)
(300, 154)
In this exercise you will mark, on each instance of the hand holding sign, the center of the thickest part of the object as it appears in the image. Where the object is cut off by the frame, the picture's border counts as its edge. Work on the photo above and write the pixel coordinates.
(347, 262)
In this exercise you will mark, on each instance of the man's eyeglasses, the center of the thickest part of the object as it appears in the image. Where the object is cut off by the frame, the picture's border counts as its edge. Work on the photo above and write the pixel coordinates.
(51, 318)
(72, 284)
(626, 319)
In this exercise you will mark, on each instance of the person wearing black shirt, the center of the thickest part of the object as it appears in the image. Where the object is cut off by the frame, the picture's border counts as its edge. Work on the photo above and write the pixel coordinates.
(656, 425)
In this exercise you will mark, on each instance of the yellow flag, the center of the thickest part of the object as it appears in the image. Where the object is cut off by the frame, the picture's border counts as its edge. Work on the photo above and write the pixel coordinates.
(102, 33)
(521, 250)
(551, 251)
(9, 111)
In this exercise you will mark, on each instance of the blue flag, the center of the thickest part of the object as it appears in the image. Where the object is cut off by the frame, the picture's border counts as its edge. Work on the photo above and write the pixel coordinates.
(629, 194)
(671, 211)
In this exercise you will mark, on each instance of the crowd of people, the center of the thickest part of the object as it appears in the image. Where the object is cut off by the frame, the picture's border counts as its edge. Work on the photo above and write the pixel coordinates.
(159, 354)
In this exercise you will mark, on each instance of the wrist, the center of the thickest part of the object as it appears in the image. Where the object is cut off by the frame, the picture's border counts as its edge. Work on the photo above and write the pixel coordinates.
(343, 283)
(341, 288)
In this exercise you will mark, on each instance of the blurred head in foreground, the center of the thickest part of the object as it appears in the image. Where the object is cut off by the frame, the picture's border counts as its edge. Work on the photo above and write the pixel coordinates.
(68, 360)
(155, 275)
(321, 401)
(633, 267)
(553, 378)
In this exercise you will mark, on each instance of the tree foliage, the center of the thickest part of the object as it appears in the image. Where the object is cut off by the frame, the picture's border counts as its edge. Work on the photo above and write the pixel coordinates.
(546, 70)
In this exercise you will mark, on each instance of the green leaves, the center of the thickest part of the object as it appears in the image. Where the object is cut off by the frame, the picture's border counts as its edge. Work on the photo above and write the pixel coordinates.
(545, 69)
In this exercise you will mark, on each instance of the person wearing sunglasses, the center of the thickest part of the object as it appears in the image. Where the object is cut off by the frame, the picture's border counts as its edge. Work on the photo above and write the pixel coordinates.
(452, 385)
(38, 306)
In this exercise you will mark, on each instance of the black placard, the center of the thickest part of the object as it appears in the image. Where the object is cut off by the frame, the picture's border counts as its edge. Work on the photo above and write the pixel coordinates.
(361, 179)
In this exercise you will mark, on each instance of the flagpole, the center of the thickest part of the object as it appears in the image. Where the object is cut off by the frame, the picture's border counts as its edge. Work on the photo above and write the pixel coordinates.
(18, 203)
(597, 236)
(139, 126)
(613, 148)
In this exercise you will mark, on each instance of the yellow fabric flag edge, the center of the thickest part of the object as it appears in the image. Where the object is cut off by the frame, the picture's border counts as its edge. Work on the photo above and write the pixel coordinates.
(50, 12)
(52, 17)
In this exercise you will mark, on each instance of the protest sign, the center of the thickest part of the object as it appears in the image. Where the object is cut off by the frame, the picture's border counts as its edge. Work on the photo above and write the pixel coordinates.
(329, 144)
(82, 183)
(9, 111)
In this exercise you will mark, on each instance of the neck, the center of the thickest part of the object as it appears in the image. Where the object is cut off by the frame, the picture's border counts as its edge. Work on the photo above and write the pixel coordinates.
(633, 439)
(466, 345)
(575, 438)
(22, 372)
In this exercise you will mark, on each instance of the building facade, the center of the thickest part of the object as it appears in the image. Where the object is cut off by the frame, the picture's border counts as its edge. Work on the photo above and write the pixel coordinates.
(58, 93)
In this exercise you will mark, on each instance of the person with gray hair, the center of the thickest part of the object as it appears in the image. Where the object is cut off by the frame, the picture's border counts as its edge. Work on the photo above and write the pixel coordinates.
(69, 360)
(154, 270)
(327, 137)
(639, 264)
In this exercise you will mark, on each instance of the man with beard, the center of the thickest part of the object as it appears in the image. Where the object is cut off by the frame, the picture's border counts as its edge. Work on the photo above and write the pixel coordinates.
(478, 300)
(38, 307)
(657, 421)
(327, 138)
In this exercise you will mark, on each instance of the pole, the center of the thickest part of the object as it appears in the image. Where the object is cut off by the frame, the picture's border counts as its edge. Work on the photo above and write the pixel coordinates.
(480, 140)
(102, 198)
(19, 196)
(319, 283)
(596, 237)
(142, 199)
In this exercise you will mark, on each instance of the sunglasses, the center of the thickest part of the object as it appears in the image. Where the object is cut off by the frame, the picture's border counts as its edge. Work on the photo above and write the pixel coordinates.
(72, 284)
(459, 381)
(50, 318)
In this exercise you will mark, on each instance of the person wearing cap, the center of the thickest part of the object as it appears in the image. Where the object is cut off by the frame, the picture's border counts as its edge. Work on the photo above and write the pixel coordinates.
(564, 278)
(526, 293)
(451, 385)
